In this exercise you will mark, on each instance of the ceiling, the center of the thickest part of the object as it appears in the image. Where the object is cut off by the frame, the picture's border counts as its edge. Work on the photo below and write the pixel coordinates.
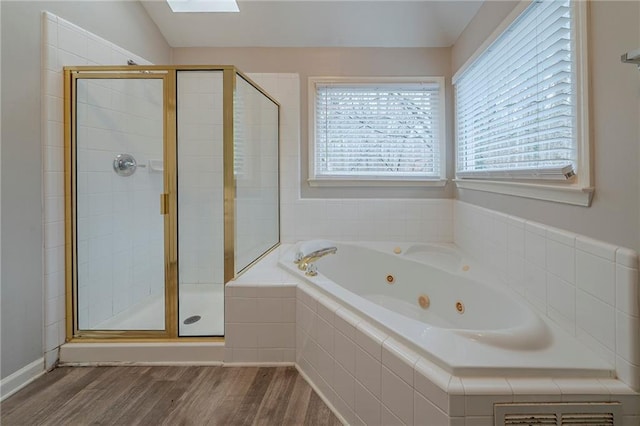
(328, 23)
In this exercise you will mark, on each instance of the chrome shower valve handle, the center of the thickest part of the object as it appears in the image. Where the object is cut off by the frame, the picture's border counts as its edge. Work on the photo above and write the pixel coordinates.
(124, 165)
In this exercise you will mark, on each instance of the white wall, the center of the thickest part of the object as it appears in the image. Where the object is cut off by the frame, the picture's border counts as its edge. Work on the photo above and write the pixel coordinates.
(615, 93)
(22, 206)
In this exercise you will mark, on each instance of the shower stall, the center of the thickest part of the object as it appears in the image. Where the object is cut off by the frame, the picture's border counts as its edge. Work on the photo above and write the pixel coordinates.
(171, 191)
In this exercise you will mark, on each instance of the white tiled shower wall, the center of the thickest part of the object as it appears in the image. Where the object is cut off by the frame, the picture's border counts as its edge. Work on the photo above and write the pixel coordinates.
(63, 44)
(200, 185)
(588, 287)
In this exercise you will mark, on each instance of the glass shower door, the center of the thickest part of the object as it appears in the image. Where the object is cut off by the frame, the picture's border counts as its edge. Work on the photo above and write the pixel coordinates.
(120, 204)
(255, 169)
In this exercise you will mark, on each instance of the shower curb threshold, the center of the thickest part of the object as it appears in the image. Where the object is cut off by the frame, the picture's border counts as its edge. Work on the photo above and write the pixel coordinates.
(140, 353)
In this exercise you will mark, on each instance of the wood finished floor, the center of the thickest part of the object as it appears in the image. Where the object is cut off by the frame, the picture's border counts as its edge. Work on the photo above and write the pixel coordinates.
(167, 396)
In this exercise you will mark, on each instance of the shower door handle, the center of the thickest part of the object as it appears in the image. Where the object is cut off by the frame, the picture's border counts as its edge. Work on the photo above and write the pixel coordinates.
(164, 204)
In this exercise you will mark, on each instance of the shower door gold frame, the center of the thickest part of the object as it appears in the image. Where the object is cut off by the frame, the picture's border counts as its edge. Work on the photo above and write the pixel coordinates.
(169, 204)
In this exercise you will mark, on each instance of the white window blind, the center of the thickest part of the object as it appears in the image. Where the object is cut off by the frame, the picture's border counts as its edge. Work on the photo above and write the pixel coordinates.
(378, 130)
(515, 105)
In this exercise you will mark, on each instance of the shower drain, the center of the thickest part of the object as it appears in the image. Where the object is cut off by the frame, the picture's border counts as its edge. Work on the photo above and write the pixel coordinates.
(192, 319)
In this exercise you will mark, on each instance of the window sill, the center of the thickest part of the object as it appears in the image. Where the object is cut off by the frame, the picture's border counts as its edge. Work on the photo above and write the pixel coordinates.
(431, 183)
(567, 194)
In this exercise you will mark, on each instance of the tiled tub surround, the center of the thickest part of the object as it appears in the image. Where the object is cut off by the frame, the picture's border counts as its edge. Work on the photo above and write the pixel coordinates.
(587, 287)
(260, 314)
(260, 323)
(369, 376)
(472, 325)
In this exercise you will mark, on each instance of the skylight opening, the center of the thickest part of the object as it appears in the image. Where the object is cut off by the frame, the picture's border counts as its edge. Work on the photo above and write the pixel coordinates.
(203, 5)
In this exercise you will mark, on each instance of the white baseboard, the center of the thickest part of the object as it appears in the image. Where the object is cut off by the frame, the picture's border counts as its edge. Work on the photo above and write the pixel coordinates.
(260, 364)
(142, 364)
(21, 378)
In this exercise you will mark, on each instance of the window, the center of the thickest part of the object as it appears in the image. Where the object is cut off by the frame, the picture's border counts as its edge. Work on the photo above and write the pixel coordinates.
(520, 118)
(376, 131)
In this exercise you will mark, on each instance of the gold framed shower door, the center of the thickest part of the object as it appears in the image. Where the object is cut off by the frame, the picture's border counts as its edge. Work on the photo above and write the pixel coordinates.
(169, 204)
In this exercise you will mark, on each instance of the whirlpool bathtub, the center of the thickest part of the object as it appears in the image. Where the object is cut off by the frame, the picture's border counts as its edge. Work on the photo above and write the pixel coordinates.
(447, 306)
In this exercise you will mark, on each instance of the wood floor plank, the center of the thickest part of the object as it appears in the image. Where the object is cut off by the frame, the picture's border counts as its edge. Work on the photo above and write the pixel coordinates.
(90, 405)
(297, 406)
(235, 394)
(206, 392)
(33, 390)
(194, 395)
(131, 381)
(77, 411)
(246, 411)
(178, 388)
(272, 410)
(318, 414)
(146, 395)
(53, 397)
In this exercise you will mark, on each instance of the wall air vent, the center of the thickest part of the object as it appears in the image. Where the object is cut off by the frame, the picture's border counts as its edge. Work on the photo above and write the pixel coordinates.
(558, 414)
(530, 419)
